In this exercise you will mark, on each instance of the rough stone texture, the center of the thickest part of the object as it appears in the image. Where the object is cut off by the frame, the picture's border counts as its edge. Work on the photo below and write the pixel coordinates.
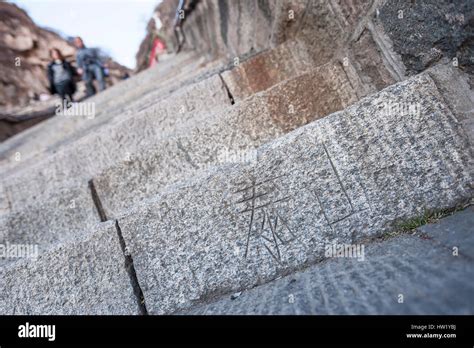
(362, 60)
(351, 11)
(232, 132)
(219, 28)
(114, 142)
(127, 132)
(46, 137)
(4, 200)
(85, 277)
(200, 227)
(347, 177)
(421, 267)
(20, 37)
(372, 69)
(429, 31)
(44, 222)
(266, 69)
(460, 98)
(322, 30)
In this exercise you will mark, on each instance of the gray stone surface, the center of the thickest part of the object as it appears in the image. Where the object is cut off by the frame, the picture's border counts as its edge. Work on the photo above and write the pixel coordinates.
(458, 95)
(218, 28)
(431, 279)
(455, 231)
(426, 32)
(115, 142)
(84, 277)
(362, 61)
(370, 64)
(202, 227)
(228, 136)
(4, 200)
(344, 178)
(66, 213)
(266, 69)
(46, 137)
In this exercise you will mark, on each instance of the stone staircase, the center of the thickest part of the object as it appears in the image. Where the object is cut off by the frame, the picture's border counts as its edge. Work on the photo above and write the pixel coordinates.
(204, 186)
(352, 286)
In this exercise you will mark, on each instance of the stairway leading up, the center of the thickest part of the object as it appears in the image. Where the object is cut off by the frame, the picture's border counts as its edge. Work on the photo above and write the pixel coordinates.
(202, 184)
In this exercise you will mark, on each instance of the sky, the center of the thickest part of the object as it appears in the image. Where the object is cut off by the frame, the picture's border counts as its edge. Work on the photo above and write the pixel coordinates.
(116, 26)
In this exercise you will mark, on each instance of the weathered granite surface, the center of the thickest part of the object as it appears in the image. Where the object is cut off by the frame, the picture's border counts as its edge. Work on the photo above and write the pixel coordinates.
(421, 267)
(458, 95)
(210, 225)
(52, 134)
(344, 178)
(66, 213)
(84, 277)
(222, 28)
(267, 69)
(362, 60)
(4, 200)
(427, 32)
(112, 143)
(230, 135)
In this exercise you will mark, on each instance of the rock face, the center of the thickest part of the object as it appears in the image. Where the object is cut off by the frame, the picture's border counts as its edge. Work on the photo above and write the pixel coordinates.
(421, 33)
(236, 163)
(217, 28)
(24, 56)
(426, 32)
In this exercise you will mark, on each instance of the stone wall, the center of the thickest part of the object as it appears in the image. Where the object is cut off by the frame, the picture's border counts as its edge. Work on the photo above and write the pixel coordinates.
(405, 36)
(427, 32)
(241, 28)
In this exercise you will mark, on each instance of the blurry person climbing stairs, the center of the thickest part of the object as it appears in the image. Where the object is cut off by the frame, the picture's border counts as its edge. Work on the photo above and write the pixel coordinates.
(61, 76)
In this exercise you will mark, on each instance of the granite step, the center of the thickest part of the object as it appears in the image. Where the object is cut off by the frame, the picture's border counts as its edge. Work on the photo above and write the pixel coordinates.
(428, 271)
(52, 202)
(154, 162)
(81, 160)
(44, 223)
(348, 177)
(87, 276)
(229, 135)
(47, 136)
(196, 111)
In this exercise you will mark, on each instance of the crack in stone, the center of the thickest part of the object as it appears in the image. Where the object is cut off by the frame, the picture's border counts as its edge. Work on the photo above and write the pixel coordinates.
(229, 94)
(132, 272)
(129, 266)
(97, 202)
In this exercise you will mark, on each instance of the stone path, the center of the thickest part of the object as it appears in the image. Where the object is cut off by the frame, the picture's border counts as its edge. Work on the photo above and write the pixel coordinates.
(428, 272)
(201, 179)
